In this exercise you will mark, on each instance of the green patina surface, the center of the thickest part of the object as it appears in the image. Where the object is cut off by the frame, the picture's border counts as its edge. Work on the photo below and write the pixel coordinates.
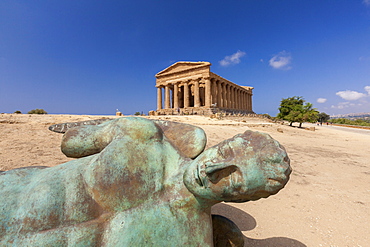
(138, 183)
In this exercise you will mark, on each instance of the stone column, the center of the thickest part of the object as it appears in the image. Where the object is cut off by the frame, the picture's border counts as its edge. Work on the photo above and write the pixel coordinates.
(228, 96)
(213, 92)
(237, 98)
(219, 94)
(196, 93)
(231, 96)
(175, 95)
(208, 91)
(181, 96)
(167, 97)
(234, 97)
(242, 107)
(240, 100)
(250, 102)
(159, 98)
(245, 101)
(186, 95)
(223, 94)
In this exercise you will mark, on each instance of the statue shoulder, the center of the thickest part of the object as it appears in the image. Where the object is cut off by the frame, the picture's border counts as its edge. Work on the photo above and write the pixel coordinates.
(135, 127)
(190, 140)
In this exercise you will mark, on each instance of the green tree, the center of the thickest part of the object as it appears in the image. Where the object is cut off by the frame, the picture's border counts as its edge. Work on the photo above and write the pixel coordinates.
(294, 109)
(323, 117)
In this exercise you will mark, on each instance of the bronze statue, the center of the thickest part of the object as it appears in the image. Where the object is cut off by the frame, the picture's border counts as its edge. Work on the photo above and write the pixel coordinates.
(139, 182)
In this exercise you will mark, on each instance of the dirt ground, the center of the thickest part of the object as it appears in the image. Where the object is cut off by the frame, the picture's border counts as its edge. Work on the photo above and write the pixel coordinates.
(325, 203)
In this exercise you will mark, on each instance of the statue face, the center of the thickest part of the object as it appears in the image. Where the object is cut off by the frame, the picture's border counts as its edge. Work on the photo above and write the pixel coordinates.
(246, 167)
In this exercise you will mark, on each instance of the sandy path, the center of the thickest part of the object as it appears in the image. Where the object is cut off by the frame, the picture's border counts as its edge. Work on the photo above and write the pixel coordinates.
(325, 203)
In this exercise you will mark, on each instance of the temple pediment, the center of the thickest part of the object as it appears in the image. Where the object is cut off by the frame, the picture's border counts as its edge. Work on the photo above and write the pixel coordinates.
(182, 66)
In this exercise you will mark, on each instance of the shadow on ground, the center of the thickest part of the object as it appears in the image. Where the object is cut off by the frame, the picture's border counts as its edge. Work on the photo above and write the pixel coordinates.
(246, 222)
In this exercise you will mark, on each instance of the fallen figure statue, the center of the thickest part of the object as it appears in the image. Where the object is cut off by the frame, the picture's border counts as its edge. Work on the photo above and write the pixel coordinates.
(139, 182)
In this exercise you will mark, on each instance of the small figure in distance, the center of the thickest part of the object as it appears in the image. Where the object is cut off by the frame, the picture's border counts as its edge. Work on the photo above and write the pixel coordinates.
(139, 182)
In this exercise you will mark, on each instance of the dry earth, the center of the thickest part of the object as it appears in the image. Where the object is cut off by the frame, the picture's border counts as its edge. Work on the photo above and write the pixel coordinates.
(325, 203)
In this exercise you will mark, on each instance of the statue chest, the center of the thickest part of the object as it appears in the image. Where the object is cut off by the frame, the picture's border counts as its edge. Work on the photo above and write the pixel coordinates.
(159, 225)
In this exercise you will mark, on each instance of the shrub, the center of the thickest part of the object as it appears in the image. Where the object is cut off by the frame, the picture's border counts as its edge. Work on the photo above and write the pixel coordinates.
(18, 112)
(37, 111)
(360, 122)
(266, 116)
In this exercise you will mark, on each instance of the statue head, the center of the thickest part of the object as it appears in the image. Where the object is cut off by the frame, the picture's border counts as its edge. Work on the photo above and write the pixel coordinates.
(247, 167)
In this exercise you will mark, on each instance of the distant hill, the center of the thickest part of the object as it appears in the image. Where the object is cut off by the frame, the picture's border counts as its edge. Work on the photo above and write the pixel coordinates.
(352, 115)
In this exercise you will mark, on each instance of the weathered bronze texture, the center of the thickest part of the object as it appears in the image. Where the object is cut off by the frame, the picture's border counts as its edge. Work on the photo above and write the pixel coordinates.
(62, 128)
(139, 182)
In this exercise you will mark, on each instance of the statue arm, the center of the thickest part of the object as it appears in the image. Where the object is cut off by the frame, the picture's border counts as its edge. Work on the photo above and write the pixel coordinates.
(91, 139)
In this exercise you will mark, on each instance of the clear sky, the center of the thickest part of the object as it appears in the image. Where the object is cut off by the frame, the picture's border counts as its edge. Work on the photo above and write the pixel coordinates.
(93, 57)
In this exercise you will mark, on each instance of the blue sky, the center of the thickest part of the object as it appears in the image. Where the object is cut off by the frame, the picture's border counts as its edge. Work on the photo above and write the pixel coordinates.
(93, 57)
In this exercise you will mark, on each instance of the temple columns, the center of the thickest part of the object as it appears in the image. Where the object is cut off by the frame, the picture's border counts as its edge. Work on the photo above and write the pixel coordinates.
(208, 92)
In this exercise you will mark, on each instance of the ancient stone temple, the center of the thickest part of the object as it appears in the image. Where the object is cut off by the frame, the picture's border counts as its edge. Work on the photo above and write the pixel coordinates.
(191, 88)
